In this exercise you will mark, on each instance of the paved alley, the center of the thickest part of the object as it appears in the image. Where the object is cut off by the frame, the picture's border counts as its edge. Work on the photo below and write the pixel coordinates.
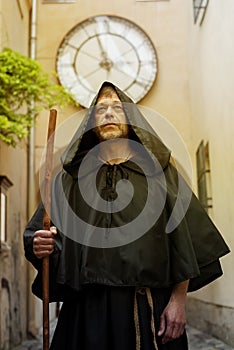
(197, 341)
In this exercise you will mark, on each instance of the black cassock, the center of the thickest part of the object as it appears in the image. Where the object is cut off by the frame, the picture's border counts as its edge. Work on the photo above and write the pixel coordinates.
(123, 229)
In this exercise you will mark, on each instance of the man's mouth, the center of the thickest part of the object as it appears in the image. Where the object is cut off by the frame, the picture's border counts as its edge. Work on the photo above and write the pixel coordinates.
(109, 124)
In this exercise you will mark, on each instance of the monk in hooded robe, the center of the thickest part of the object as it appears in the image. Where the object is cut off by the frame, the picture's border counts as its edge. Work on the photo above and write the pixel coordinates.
(128, 238)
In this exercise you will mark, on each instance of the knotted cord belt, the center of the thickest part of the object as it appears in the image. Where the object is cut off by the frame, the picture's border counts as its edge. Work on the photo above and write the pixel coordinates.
(144, 291)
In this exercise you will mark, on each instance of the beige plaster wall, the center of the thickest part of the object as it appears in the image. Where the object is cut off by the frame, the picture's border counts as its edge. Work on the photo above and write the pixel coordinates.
(14, 24)
(211, 78)
(212, 106)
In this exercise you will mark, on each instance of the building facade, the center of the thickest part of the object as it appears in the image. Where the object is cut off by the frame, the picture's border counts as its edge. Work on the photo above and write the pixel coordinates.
(14, 23)
(192, 91)
(210, 52)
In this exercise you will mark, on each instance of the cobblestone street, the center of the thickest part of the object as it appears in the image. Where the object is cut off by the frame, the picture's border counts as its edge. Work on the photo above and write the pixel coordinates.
(202, 341)
(197, 341)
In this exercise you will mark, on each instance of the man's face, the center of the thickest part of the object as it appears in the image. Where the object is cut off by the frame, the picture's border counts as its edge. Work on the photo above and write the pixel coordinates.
(110, 119)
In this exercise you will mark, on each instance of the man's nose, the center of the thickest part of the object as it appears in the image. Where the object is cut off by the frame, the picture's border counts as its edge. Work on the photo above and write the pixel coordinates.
(109, 112)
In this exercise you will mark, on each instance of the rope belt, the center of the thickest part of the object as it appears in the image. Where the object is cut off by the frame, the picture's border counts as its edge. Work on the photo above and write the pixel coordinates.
(144, 291)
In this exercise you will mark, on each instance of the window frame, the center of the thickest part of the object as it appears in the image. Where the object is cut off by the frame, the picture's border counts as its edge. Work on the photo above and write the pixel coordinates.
(204, 175)
(5, 184)
(199, 10)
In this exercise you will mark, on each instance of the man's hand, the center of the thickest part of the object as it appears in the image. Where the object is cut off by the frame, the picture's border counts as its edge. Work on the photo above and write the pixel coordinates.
(43, 242)
(173, 319)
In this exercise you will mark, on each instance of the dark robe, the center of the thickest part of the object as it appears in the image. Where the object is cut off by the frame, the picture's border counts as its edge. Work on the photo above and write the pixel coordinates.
(158, 235)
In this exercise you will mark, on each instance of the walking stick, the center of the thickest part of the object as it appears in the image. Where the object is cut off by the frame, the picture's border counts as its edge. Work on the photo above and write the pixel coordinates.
(46, 226)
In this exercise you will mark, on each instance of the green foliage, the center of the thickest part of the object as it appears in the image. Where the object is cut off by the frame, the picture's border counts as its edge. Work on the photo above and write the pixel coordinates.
(23, 80)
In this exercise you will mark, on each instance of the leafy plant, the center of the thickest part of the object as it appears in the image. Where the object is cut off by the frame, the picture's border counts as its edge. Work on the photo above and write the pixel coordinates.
(23, 80)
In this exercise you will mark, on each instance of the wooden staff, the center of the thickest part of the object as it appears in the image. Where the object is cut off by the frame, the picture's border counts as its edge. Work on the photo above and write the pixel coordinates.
(46, 226)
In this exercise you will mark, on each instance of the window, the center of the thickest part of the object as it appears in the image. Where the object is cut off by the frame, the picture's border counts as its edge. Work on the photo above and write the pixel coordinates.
(5, 183)
(203, 175)
(199, 10)
(3, 217)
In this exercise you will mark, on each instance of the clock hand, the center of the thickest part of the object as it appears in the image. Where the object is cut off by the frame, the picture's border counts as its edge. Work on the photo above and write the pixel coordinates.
(103, 52)
(88, 54)
(125, 68)
(124, 53)
(133, 77)
(139, 81)
(91, 73)
(129, 50)
(105, 63)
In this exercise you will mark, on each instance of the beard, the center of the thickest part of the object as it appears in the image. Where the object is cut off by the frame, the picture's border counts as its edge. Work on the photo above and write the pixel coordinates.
(119, 131)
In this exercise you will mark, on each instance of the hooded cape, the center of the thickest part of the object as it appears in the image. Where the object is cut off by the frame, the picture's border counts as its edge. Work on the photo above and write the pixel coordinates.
(127, 245)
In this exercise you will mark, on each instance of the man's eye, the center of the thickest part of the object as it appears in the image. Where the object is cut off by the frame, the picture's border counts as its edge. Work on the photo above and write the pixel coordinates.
(100, 109)
(118, 108)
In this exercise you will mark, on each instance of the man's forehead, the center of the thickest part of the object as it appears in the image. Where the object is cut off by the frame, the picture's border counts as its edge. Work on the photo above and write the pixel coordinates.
(113, 98)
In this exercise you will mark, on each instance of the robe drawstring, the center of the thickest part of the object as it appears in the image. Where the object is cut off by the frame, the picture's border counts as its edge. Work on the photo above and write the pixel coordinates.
(136, 317)
(136, 321)
(109, 192)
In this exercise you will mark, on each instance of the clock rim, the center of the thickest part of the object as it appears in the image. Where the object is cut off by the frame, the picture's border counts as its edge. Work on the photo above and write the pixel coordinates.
(123, 19)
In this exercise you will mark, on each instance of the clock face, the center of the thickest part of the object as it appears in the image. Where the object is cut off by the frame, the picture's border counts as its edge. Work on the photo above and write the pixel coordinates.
(106, 48)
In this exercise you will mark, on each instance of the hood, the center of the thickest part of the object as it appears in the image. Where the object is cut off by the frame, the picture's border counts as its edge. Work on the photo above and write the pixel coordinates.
(85, 139)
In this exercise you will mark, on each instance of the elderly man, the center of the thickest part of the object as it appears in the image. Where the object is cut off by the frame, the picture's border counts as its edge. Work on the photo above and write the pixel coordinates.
(122, 278)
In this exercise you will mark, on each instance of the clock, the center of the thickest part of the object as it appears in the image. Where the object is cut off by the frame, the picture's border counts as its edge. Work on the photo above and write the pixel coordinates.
(106, 48)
